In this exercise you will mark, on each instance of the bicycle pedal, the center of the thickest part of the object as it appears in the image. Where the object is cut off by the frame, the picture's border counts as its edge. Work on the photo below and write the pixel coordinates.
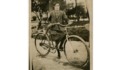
(53, 51)
(52, 48)
(45, 48)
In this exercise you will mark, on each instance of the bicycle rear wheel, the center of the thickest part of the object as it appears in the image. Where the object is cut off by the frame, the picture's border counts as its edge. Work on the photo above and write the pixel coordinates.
(42, 44)
(76, 51)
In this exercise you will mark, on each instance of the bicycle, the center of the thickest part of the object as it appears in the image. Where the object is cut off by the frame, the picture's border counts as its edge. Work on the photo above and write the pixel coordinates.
(44, 44)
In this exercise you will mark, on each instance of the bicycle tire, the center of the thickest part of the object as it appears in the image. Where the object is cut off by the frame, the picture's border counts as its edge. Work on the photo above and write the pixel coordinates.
(83, 64)
(37, 46)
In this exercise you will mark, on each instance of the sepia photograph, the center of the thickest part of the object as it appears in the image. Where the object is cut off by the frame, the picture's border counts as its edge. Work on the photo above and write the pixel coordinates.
(60, 35)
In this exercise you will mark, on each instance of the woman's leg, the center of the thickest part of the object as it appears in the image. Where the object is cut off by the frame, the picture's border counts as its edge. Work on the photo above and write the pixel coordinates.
(57, 42)
(61, 42)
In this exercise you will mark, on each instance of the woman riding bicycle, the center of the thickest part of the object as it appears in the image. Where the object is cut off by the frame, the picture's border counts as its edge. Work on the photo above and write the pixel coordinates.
(57, 16)
(73, 44)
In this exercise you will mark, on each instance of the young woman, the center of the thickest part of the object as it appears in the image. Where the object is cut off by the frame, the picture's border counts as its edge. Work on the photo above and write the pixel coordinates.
(57, 16)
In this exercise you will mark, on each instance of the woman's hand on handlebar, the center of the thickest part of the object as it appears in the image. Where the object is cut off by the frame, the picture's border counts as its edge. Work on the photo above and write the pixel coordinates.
(50, 25)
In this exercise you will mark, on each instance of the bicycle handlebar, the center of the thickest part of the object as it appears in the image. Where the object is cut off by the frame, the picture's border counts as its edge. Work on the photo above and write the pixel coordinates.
(60, 24)
(67, 26)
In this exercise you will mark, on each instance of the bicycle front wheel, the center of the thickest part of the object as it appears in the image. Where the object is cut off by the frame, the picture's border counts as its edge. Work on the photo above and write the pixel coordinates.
(76, 51)
(42, 44)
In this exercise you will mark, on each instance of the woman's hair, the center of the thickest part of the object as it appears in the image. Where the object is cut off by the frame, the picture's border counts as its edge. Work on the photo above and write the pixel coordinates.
(55, 4)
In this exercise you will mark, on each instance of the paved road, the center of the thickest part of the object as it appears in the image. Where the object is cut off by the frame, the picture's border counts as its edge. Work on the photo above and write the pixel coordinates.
(50, 62)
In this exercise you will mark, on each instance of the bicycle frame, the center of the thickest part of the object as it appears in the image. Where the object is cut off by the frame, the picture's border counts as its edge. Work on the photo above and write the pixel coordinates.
(66, 43)
(66, 27)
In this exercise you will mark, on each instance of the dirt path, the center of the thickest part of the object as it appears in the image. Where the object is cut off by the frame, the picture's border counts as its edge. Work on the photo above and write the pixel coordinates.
(50, 62)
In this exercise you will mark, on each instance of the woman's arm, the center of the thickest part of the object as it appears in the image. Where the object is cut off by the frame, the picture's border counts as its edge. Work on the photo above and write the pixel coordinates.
(65, 18)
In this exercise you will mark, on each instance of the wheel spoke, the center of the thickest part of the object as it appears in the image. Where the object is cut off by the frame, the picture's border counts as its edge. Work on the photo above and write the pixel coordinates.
(42, 45)
(75, 50)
